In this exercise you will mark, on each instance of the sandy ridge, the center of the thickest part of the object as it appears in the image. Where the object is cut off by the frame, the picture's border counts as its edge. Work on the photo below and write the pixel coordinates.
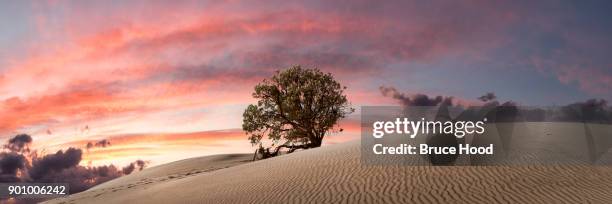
(335, 174)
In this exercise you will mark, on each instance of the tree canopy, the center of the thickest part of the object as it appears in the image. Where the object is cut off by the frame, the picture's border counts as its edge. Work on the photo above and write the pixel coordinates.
(298, 107)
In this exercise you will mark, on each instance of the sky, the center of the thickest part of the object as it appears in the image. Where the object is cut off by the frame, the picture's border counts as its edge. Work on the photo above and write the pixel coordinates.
(166, 80)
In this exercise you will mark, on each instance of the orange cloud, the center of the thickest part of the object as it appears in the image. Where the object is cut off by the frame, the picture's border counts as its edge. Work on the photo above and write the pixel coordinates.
(18, 113)
(148, 146)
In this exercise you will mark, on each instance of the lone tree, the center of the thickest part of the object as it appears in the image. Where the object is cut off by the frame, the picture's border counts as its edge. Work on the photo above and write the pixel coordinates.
(296, 107)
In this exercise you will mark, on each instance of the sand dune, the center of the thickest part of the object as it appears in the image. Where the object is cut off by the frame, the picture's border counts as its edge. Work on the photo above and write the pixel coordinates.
(178, 169)
(334, 174)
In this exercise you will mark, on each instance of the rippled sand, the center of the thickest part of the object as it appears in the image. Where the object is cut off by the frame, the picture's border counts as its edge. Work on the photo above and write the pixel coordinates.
(335, 174)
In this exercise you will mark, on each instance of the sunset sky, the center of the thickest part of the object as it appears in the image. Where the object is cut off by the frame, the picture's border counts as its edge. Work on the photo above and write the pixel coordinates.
(166, 80)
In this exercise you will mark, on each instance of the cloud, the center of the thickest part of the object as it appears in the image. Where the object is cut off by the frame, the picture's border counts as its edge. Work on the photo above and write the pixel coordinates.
(414, 100)
(101, 144)
(487, 97)
(9, 164)
(123, 63)
(138, 164)
(203, 137)
(19, 143)
(169, 146)
(62, 166)
(80, 103)
(81, 178)
(53, 163)
(592, 110)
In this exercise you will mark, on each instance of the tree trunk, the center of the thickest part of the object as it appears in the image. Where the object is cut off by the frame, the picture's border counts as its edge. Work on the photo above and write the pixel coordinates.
(266, 153)
(316, 143)
(255, 154)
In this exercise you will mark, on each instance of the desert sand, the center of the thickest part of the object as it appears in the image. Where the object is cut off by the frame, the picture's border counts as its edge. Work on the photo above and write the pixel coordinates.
(334, 173)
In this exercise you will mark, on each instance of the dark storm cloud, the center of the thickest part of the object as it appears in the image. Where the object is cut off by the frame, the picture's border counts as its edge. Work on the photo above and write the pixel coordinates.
(592, 110)
(55, 162)
(62, 166)
(9, 164)
(138, 164)
(19, 143)
(81, 178)
(414, 100)
(487, 97)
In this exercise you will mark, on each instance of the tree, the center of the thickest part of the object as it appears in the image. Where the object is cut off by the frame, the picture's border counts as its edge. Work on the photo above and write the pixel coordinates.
(297, 106)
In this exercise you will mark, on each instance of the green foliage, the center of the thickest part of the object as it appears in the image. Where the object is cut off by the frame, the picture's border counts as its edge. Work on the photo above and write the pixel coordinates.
(297, 106)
